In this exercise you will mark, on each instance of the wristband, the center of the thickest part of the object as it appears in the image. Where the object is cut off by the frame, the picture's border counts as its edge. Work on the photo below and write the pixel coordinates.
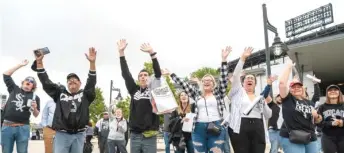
(153, 54)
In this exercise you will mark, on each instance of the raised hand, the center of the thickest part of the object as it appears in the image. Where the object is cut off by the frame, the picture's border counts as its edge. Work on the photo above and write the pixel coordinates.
(165, 72)
(146, 47)
(194, 79)
(225, 52)
(92, 54)
(247, 52)
(39, 56)
(272, 79)
(122, 44)
(24, 63)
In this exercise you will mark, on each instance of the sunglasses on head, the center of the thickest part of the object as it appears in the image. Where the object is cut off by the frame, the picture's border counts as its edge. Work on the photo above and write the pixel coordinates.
(30, 81)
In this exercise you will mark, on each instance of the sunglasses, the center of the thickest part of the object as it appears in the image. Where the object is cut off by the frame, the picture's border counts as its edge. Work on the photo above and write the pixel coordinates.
(30, 81)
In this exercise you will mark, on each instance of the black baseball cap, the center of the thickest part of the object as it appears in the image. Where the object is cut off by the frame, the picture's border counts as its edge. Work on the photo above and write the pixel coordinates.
(332, 86)
(72, 75)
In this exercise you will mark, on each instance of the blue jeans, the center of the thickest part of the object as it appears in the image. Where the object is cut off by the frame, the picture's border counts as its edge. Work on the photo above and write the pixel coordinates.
(289, 147)
(189, 147)
(204, 142)
(319, 144)
(167, 145)
(141, 144)
(227, 148)
(274, 140)
(69, 143)
(18, 134)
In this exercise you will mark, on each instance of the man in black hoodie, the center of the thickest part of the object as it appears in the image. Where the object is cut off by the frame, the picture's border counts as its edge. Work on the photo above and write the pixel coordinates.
(21, 103)
(72, 112)
(144, 124)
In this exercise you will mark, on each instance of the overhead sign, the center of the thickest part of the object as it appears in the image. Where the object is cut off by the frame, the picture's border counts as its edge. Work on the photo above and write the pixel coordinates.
(311, 20)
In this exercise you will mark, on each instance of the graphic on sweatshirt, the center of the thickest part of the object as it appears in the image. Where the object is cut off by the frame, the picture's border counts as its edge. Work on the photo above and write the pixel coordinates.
(19, 102)
(333, 113)
(302, 108)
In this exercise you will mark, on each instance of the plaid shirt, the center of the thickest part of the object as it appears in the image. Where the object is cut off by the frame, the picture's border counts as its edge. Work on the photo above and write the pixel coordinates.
(219, 91)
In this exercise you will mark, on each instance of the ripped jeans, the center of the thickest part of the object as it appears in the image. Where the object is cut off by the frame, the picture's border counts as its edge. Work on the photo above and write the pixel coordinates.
(204, 142)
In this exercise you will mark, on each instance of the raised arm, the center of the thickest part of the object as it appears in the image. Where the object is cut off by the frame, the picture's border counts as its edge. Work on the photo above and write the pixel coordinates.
(283, 87)
(52, 89)
(223, 80)
(147, 48)
(316, 95)
(189, 89)
(236, 84)
(90, 87)
(129, 80)
(8, 75)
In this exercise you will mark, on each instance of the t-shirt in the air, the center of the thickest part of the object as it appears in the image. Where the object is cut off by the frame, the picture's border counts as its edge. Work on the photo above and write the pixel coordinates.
(297, 115)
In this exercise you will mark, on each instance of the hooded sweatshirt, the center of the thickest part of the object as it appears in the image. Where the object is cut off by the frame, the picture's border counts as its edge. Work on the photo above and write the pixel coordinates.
(329, 112)
(117, 127)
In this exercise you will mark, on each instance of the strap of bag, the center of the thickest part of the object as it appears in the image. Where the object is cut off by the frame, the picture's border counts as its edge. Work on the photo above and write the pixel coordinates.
(206, 108)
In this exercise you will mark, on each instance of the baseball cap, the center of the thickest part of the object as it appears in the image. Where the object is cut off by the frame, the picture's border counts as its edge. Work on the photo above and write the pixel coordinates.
(332, 86)
(295, 83)
(72, 75)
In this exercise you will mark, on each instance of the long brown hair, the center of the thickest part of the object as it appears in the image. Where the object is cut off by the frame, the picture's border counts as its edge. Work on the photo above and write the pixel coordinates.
(340, 97)
(180, 108)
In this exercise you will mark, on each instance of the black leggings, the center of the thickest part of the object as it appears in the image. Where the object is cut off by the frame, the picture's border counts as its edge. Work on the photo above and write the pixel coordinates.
(251, 138)
(89, 138)
(332, 144)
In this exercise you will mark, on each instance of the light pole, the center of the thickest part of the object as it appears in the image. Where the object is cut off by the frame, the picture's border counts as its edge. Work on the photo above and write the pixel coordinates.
(278, 46)
(119, 96)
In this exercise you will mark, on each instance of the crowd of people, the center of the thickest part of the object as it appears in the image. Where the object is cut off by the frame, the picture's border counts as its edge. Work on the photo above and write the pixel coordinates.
(240, 119)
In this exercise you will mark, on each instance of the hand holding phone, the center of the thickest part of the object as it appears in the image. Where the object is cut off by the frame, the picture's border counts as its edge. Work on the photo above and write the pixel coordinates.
(39, 51)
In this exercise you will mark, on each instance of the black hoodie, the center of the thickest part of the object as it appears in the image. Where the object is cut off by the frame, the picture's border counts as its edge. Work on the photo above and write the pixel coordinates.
(141, 116)
(72, 112)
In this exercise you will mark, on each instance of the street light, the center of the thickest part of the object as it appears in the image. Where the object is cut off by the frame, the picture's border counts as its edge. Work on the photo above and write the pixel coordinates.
(119, 96)
(278, 46)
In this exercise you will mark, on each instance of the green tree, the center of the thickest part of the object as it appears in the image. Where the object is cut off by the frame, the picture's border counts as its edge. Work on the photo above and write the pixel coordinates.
(125, 106)
(98, 106)
(205, 70)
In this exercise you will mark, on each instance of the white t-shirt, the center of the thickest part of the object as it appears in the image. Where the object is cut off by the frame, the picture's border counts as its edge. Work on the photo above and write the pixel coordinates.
(213, 113)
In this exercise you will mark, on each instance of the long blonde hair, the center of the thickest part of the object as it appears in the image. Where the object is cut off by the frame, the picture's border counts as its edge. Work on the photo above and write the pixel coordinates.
(180, 108)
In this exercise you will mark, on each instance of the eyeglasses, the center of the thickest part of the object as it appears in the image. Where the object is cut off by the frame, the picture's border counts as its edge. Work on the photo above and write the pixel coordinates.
(249, 78)
(207, 80)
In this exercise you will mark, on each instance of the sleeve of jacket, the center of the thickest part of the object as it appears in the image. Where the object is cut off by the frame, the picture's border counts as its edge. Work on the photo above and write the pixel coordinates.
(316, 95)
(10, 84)
(49, 87)
(128, 78)
(156, 68)
(90, 87)
(266, 91)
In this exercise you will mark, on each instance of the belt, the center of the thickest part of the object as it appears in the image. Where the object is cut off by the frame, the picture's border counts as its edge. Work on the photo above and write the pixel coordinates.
(73, 131)
(13, 124)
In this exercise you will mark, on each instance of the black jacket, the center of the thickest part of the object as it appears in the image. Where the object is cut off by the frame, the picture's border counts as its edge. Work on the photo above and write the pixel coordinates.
(141, 116)
(65, 101)
(275, 115)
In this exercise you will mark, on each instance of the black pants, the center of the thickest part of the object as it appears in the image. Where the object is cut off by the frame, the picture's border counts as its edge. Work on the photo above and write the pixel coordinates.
(251, 138)
(89, 138)
(332, 144)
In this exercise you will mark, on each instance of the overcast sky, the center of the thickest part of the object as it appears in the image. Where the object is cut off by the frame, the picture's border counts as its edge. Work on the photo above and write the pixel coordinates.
(186, 34)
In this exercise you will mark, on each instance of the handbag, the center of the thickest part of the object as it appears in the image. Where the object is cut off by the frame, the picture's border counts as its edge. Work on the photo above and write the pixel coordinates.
(212, 128)
(298, 136)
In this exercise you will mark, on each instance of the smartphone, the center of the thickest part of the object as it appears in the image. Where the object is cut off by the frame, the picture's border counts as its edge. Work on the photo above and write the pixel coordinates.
(45, 51)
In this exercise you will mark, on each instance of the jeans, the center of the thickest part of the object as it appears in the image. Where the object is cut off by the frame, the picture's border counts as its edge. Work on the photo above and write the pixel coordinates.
(289, 147)
(189, 147)
(103, 146)
(274, 140)
(227, 148)
(204, 142)
(319, 144)
(119, 144)
(18, 134)
(69, 143)
(167, 145)
(48, 136)
(141, 144)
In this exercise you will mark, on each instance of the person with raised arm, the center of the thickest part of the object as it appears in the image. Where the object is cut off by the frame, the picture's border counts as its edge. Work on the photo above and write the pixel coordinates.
(72, 105)
(207, 133)
(143, 123)
(21, 102)
(298, 130)
(248, 131)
